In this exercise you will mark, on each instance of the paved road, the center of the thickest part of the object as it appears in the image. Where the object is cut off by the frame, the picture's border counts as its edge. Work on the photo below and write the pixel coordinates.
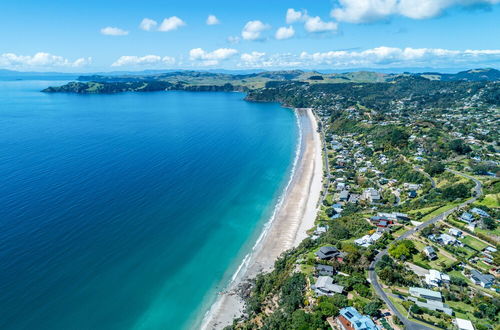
(433, 183)
(371, 271)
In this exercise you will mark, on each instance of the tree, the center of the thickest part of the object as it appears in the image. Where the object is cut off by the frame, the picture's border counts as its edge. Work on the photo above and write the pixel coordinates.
(434, 168)
(402, 250)
(372, 308)
(459, 147)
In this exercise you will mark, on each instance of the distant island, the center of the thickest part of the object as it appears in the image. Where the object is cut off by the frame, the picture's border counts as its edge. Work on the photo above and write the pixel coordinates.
(208, 81)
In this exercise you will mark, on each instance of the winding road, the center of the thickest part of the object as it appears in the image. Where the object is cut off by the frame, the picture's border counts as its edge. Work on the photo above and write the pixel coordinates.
(411, 325)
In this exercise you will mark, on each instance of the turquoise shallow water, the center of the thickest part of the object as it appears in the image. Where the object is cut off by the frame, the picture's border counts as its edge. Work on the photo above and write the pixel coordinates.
(129, 211)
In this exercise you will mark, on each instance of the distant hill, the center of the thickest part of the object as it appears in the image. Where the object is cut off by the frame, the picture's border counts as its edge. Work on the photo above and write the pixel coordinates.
(487, 74)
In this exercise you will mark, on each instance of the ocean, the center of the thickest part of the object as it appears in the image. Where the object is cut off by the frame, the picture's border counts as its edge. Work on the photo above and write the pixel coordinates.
(131, 211)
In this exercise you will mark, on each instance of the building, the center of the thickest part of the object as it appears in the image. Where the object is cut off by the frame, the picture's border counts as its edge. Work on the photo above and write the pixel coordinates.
(425, 294)
(324, 286)
(344, 196)
(371, 195)
(455, 232)
(368, 240)
(330, 252)
(412, 194)
(480, 212)
(434, 305)
(430, 253)
(350, 319)
(325, 270)
(436, 278)
(446, 239)
(462, 324)
(484, 280)
(467, 217)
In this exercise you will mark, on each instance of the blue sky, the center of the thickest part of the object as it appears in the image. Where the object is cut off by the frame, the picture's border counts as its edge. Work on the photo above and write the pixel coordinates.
(85, 36)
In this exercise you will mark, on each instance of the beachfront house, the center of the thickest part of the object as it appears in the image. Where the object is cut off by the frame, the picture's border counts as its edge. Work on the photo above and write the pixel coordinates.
(350, 319)
(325, 270)
(324, 286)
(329, 253)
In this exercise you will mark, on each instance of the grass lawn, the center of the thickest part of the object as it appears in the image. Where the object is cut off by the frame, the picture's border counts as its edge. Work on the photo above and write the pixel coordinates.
(423, 210)
(473, 243)
(491, 200)
(442, 209)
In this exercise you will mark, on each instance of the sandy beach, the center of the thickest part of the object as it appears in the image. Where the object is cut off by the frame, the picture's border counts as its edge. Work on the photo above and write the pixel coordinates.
(295, 216)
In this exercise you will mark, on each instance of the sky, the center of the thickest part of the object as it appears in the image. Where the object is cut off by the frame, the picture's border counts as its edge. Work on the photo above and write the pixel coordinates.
(112, 35)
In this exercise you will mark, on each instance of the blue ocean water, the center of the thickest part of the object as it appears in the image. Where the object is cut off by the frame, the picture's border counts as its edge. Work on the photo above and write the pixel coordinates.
(130, 211)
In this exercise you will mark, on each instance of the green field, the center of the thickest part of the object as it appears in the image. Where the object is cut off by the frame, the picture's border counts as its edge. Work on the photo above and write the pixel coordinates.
(491, 200)
(473, 243)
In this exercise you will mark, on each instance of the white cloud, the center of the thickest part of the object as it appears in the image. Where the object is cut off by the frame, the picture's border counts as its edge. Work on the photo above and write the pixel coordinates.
(212, 20)
(390, 56)
(148, 24)
(363, 11)
(40, 61)
(171, 23)
(143, 60)
(285, 33)
(315, 24)
(252, 58)
(113, 31)
(211, 58)
(294, 16)
(253, 29)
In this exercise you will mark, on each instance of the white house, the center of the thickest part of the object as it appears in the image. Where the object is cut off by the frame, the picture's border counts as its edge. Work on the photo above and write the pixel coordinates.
(436, 278)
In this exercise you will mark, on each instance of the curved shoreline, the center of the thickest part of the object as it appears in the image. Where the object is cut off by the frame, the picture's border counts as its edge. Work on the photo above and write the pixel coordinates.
(287, 227)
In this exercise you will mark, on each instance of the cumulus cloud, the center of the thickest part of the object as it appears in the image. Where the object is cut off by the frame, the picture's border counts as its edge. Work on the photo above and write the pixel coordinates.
(363, 11)
(41, 61)
(253, 29)
(285, 33)
(113, 31)
(171, 24)
(148, 24)
(212, 20)
(150, 60)
(311, 24)
(391, 56)
(294, 16)
(379, 57)
(315, 24)
(211, 58)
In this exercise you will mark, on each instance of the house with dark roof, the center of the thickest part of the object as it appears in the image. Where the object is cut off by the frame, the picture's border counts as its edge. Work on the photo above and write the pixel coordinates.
(325, 270)
(329, 253)
(430, 252)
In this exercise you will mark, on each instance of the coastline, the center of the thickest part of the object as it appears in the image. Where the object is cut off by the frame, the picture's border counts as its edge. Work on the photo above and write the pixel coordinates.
(295, 214)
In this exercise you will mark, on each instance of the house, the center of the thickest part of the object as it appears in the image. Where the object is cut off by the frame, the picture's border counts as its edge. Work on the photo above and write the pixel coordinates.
(425, 294)
(319, 231)
(462, 324)
(412, 186)
(344, 195)
(430, 253)
(368, 240)
(325, 270)
(433, 305)
(446, 239)
(350, 319)
(324, 286)
(381, 221)
(480, 212)
(436, 278)
(484, 280)
(412, 194)
(330, 252)
(467, 217)
(371, 195)
(354, 198)
(490, 249)
(455, 232)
